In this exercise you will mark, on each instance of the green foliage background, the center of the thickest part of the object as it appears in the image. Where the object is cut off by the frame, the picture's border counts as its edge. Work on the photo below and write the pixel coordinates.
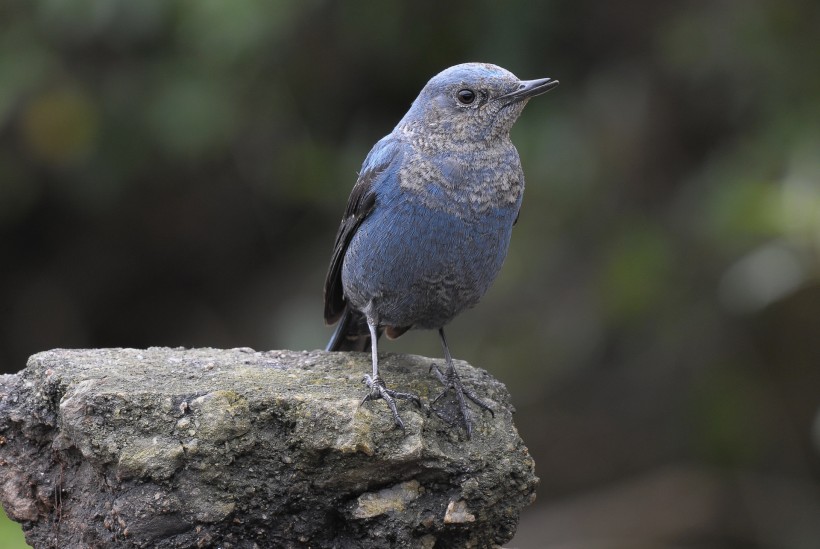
(172, 173)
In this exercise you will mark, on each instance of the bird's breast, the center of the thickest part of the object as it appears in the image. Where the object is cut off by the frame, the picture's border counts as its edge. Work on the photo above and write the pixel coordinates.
(467, 185)
(423, 266)
(437, 236)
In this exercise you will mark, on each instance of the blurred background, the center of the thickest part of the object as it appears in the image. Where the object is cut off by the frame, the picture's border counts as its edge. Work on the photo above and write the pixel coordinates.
(172, 172)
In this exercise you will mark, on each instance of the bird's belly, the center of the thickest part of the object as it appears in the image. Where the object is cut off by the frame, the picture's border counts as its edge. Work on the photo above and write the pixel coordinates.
(422, 268)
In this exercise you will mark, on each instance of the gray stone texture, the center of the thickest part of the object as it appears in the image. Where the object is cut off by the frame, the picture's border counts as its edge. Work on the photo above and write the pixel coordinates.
(173, 448)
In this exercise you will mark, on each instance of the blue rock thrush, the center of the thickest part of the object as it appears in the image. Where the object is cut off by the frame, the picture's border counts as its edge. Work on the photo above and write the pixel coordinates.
(428, 222)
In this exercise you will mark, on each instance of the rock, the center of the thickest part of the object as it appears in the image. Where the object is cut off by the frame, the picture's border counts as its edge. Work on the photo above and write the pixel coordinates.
(173, 448)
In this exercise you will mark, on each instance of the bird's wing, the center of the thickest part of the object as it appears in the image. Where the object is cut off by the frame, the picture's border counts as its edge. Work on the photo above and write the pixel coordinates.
(385, 154)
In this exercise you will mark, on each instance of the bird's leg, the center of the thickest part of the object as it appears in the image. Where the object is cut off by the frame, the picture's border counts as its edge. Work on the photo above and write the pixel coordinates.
(450, 380)
(376, 384)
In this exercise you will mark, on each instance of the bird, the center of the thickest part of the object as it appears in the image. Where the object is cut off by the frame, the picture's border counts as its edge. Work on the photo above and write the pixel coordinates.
(428, 222)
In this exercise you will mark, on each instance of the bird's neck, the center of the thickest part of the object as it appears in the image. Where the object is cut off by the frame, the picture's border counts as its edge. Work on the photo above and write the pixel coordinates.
(438, 138)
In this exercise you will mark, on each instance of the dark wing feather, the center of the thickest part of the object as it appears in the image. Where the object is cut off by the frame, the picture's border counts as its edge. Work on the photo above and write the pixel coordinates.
(351, 333)
(361, 202)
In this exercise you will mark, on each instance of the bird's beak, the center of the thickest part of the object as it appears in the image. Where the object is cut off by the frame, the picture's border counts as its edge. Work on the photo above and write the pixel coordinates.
(527, 89)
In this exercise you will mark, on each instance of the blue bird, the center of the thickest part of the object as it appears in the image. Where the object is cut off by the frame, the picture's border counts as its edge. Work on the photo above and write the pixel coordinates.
(429, 220)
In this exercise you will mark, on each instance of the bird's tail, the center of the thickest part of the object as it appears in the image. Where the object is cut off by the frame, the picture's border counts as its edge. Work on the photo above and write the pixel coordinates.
(351, 334)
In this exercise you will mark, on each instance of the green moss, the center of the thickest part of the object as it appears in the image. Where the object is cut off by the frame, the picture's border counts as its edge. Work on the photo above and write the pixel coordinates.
(155, 457)
(221, 416)
(11, 533)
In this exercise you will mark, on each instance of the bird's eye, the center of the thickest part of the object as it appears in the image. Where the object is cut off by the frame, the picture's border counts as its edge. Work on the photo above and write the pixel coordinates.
(465, 96)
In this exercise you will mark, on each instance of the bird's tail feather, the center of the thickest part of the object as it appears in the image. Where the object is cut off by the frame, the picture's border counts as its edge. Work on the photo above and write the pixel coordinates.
(351, 334)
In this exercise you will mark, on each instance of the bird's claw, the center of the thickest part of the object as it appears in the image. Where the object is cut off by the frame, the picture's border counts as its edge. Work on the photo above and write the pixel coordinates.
(450, 380)
(379, 390)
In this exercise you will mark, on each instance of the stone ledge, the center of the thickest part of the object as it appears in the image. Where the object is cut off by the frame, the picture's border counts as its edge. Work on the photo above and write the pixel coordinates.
(174, 448)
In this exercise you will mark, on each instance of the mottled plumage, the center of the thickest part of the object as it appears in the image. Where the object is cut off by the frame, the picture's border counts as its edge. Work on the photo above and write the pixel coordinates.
(428, 223)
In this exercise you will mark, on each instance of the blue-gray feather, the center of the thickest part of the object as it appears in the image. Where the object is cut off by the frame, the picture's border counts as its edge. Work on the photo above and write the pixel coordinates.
(428, 223)
(430, 218)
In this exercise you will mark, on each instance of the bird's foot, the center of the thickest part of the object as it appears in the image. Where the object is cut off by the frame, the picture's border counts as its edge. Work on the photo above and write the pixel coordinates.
(379, 390)
(450, 380)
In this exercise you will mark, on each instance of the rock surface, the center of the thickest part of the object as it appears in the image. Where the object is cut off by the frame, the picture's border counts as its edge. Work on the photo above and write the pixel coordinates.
(173, 448)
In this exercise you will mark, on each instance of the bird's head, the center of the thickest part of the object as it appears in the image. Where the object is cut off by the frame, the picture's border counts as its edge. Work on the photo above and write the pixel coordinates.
(471, 102)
